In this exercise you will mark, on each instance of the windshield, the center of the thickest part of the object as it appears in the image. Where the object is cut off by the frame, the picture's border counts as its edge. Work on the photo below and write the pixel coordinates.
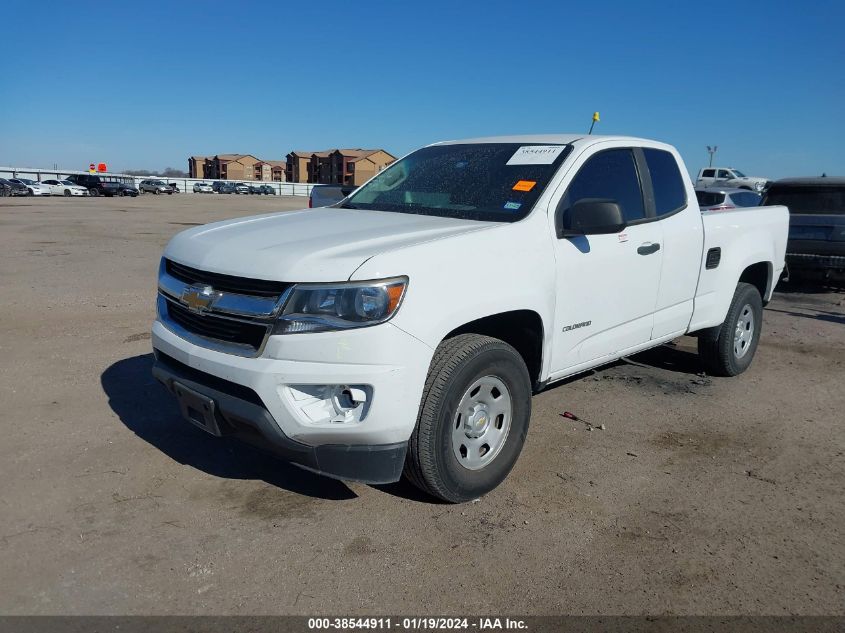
(497, 182)
(808, 200)
(67, 182)
(738, 173)
(26, 181)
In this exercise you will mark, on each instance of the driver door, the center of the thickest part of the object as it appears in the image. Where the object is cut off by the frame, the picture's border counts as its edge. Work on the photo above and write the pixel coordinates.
(607, 284)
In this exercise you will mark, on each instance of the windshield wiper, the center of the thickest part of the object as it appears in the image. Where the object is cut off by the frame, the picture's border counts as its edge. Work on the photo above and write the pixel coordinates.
(346, 205)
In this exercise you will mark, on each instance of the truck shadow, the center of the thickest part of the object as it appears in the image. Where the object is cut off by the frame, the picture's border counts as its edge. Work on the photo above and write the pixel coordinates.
(148, 410)
(667, 357)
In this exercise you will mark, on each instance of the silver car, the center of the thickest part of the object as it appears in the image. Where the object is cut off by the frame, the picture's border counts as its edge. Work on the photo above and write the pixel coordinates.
(202, 187)
(155, 186)
(722, 199)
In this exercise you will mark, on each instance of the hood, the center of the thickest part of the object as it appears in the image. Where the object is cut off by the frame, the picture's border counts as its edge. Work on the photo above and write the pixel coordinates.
(324, 244)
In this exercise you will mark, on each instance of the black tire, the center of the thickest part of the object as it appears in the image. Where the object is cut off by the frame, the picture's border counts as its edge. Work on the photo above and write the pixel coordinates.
(93, 193)
(720, 352)
(67, 193)
(432, 464)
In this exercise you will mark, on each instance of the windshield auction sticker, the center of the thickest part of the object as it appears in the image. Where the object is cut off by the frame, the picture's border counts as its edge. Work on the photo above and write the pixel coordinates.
(536, 155)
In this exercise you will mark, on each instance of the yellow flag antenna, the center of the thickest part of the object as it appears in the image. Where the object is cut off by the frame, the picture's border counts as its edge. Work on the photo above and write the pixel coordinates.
(595, 118)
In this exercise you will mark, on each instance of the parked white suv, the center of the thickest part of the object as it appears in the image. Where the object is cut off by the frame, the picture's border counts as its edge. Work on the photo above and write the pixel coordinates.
(730, 177)
(405, 329)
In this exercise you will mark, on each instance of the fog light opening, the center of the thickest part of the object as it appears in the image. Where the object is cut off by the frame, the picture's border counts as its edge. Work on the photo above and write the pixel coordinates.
(332, 404)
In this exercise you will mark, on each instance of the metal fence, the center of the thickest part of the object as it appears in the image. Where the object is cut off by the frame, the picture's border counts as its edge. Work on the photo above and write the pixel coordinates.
(185, 185)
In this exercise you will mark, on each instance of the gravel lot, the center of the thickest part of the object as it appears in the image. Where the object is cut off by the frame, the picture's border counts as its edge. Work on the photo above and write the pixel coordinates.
(701, 496)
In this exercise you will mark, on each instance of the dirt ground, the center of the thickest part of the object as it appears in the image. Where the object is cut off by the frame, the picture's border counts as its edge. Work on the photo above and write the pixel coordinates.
(700, 496)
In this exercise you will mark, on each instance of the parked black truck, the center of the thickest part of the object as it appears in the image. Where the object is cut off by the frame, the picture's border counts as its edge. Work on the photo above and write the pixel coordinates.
(816, 223)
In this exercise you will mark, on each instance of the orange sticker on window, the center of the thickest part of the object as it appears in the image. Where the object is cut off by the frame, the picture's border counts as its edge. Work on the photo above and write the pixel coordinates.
(524, 185)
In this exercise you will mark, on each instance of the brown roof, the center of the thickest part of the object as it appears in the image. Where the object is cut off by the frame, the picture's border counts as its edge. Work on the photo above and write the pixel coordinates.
(308, 154)
(357, 154)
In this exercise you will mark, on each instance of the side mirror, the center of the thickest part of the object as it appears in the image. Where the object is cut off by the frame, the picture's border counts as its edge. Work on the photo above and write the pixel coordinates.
(591, 216)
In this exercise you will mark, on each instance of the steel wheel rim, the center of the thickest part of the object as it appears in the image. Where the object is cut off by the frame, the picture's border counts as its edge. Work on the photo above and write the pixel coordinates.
(481, 423)
(744, 333)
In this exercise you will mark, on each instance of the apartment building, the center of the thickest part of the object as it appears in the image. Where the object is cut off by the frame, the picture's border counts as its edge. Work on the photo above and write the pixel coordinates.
(337, 166)
(298, 168)
(235, 167)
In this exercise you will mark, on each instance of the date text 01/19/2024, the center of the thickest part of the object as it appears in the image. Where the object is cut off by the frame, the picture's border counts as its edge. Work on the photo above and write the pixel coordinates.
(417, 623)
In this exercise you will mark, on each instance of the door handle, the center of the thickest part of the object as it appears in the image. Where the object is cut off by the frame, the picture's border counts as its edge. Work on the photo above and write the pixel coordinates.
(648, 248)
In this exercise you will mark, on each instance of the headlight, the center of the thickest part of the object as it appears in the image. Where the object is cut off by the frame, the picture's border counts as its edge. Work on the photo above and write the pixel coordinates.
(328, 307)
(759, 186)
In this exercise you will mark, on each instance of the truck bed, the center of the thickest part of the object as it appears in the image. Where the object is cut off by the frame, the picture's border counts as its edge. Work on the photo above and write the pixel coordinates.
(744, 237)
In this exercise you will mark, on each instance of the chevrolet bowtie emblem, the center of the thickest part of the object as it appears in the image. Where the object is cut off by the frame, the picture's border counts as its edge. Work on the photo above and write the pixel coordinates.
(199, 298)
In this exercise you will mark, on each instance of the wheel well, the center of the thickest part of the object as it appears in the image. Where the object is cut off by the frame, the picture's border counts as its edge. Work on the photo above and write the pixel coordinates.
(758, 276)
(522, 329)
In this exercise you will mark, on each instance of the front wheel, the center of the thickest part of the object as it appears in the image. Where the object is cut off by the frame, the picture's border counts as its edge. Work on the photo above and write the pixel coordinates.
(93, 192)
(67, 193)
(728, 349)
(473, 418)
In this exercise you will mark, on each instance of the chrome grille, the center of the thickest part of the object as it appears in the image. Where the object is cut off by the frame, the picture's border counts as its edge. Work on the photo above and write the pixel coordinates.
(223, 312)
(220, 328)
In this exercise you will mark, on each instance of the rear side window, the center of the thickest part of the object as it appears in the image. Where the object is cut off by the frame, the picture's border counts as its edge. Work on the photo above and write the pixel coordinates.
(670, 194)
(609, 175)
(709, 198)
(708, 173)
(746, 198)
(807, 200)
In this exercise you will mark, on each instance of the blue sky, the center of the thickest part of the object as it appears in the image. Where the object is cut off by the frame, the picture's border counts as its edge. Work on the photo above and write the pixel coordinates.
(146, 85)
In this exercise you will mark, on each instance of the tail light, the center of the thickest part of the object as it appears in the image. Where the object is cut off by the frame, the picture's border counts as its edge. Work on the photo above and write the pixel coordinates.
(310, 203)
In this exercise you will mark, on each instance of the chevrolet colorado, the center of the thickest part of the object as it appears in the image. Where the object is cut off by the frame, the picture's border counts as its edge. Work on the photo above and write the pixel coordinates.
(405, 329)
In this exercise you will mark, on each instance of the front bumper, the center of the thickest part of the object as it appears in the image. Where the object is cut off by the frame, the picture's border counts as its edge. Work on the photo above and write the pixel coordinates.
(239, 412)
(385, 361)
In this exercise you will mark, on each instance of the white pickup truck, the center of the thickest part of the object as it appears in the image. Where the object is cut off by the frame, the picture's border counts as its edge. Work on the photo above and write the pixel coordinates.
(405, 331)
(730, 177)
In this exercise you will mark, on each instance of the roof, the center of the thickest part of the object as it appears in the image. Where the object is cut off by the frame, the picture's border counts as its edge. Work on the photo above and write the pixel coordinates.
(307, 154)
(551, 139)
(812, 182)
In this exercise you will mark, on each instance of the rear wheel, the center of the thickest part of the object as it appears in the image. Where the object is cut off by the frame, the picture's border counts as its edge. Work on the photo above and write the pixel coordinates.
(727, 350)
(473, 418)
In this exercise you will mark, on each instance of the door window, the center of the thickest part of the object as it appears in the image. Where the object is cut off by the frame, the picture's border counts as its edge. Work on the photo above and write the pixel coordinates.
(609, 175)
(708, 173)
(724, 173)
(670, 194)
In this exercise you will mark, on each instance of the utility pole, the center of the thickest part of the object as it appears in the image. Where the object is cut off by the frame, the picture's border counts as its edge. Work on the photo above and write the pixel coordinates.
(711, 151)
